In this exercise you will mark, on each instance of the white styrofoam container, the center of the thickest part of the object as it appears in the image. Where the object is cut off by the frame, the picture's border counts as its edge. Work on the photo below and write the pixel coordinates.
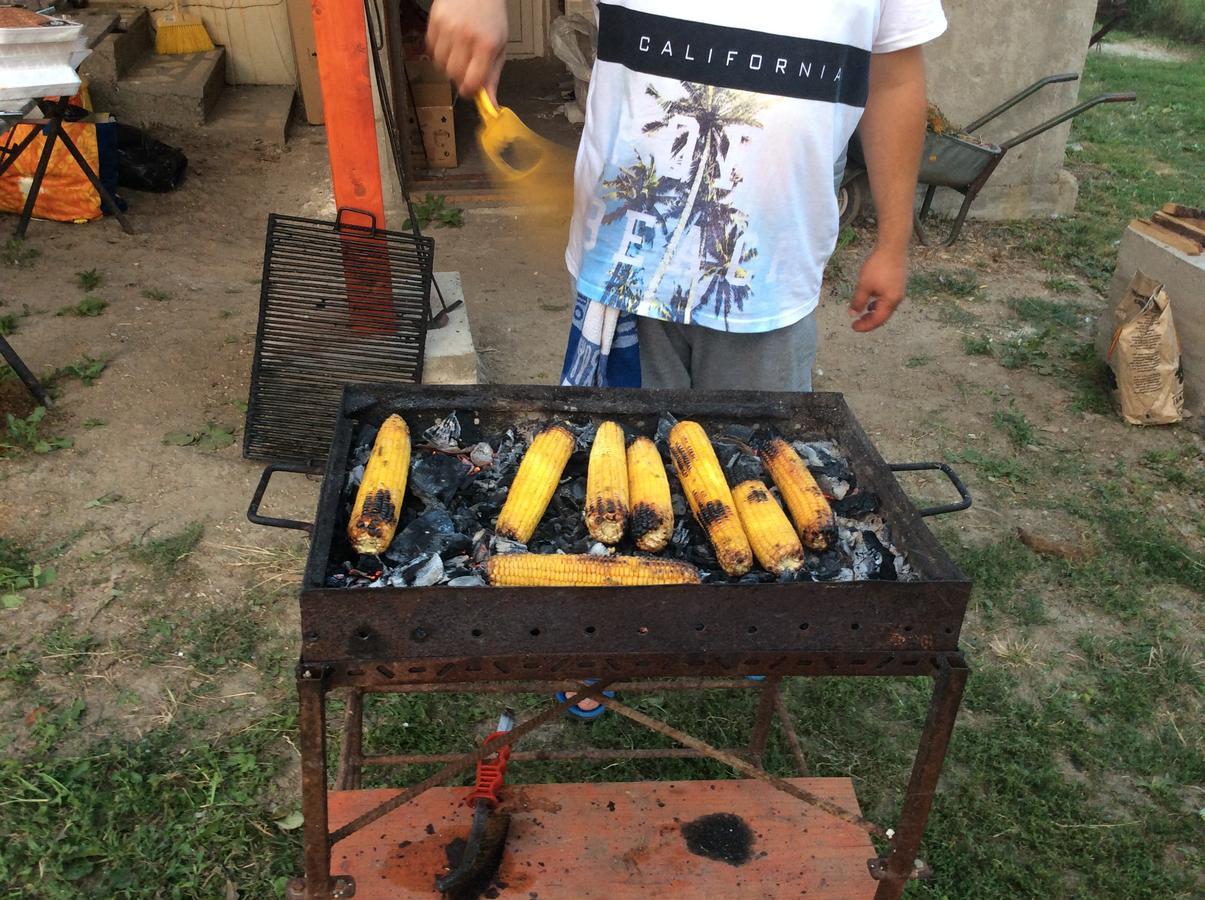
(40, 61)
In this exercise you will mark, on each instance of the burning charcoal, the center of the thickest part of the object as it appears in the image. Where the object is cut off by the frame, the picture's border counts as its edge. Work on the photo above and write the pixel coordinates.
(678, 502)
(445, 435)
(828, 566)
(505, 461)
(481, 546)
(664, 426)
(582, 546)
(856, 503)
(481, 455)
(758, 577)
(425, 571)
(338, 579)
(725, 452)
(504, 545)
(466, 520)
(745, 467)
(828, 466)
(432, 532)
(742, 433)
(467, 581)
(886, 570)
(435, 478)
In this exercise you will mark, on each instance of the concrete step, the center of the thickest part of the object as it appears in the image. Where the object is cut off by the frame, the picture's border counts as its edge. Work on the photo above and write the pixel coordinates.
(253, 113)
(176, 92)
(120, 49)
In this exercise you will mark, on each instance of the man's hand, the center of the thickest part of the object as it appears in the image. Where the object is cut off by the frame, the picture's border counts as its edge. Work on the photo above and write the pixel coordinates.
(467, 39)
(881, 287)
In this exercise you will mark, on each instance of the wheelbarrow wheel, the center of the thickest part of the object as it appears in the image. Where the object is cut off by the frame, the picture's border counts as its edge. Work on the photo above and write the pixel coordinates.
(852, 198)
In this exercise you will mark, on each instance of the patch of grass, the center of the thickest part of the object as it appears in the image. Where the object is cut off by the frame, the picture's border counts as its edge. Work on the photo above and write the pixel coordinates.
(435, 210)
(1180, 20)
(1181, 467)
(997, 468)
(977, 345)
(89, 280)
(131, 818)
(16, 253)
(1044, 313)
(932, 283)
(89, 307)
(1060, 285)
(86, 369)
(25, 434)
(1135, 157)
(165, 554)
(156, 294)
(8, 321)
(18, 572)
(918, 362)
(1015, 425)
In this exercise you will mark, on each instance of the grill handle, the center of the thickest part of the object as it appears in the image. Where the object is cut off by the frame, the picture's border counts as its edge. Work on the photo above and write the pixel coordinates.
(964, 503)
(258, 496)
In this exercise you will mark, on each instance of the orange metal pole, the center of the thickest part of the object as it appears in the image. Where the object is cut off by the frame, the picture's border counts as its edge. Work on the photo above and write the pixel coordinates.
(341, 41)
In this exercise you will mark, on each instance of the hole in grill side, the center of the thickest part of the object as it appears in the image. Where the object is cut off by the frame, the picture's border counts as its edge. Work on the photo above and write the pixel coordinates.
(476, 632)
(590, 629)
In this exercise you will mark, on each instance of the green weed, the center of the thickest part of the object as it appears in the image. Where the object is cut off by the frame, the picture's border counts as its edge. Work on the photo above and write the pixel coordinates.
(89, 307)
(435, 210)
(1060, 285)
(156, 294)
(165, 554)
(1014, 424)
(1181, 467)
(15, 253)
(996, 467)
(8, 321)
(933, 283)
(977, 345)
(86, 369)
(18, 572)
(918, 362)
(89, 280)
(24, 434)
(1041, 312)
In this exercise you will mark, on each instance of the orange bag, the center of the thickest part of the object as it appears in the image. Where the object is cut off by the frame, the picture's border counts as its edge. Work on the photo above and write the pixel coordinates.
(66, 194)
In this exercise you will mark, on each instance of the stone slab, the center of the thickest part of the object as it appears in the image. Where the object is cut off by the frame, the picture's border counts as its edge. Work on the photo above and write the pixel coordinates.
(1183, 277)
(178, 91)
(451, 355)
(253, 113)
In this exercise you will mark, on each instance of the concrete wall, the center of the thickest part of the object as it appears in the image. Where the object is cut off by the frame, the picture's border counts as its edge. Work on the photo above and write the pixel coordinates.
(991, 51)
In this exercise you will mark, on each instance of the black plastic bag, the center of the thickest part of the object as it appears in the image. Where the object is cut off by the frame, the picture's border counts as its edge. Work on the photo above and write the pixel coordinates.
(145, 164)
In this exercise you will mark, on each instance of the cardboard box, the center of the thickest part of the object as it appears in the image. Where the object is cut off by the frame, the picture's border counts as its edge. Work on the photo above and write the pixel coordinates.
(433, 99)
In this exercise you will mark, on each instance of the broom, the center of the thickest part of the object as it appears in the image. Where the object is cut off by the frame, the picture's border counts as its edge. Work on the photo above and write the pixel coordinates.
(176, 32)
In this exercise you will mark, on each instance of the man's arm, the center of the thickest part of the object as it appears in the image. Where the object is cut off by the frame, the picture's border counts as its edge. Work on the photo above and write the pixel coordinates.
(467, 39)
(893, 134)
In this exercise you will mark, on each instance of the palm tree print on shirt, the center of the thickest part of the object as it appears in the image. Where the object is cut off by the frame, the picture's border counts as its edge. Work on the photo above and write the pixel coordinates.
(708, 242)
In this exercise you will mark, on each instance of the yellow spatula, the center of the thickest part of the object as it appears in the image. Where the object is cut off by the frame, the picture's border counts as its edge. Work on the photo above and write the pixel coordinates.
(538, 169)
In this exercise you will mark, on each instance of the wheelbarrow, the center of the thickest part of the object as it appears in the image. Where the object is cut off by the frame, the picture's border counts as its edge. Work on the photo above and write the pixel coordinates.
(961, 161)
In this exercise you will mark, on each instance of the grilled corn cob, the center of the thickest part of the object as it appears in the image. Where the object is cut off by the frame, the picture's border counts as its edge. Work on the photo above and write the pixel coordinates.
(378, 504)
(770, 533)
(652, 513)
(710, 500)
(809, 509)
(584, 570)
(534, 484)
(607, 486)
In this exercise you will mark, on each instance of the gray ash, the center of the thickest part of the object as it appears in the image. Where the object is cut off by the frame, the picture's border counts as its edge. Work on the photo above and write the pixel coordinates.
(445, 532)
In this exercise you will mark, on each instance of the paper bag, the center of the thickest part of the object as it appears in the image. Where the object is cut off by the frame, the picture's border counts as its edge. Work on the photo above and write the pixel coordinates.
(1144, 356)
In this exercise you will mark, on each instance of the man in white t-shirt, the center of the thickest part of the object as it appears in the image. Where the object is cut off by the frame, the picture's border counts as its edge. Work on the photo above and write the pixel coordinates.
(704, 203)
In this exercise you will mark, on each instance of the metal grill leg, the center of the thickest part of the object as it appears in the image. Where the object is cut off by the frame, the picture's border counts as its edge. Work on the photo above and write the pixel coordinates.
(27, 377)
(105, 197)
(317, 883)
(351, 754)
(765, 717)
(35, 186)
(895, 872)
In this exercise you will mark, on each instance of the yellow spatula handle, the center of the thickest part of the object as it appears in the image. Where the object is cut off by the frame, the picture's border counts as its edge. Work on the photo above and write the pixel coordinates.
(485, 106)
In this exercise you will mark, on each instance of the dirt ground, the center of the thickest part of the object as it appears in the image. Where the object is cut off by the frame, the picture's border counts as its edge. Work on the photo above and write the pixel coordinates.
(178, 363)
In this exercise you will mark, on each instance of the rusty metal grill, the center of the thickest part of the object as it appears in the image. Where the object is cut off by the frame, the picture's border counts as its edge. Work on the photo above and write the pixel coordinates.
(339, 302)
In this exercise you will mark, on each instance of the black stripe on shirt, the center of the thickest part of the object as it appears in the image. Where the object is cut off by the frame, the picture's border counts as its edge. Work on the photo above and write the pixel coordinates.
(733, 57)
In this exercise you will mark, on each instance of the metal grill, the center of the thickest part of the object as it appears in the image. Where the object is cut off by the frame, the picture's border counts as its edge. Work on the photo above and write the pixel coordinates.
(339, 303)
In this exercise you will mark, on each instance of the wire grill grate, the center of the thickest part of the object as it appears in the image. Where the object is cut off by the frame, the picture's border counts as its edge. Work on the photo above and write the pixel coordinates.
(339, 303)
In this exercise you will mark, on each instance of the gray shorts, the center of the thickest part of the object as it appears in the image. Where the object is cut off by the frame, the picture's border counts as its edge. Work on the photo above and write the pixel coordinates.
(690, 356)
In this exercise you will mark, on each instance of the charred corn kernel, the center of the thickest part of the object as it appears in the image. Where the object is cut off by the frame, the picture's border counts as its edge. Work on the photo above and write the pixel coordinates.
(378, 504)
(584, 570)
(770, 533)
(652, 512)
(710, 500)
(810, 512)
(534, 484)
(607, 485)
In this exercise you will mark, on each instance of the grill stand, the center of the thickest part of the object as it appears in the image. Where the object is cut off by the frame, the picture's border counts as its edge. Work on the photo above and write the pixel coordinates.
(948, 670)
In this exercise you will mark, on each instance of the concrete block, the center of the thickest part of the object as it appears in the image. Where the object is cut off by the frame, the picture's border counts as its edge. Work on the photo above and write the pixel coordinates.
(1183, 278)
(451, 357)
(172, 91)
(116, 53)
(251, 113)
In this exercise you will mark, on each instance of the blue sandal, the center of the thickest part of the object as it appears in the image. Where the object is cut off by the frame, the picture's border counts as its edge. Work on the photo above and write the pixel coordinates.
(586, 715)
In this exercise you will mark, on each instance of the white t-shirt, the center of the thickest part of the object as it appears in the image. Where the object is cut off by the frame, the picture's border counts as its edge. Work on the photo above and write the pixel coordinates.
(704, 179)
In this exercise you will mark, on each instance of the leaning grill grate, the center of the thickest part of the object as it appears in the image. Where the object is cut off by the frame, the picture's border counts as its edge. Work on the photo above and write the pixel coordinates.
(339, 303)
